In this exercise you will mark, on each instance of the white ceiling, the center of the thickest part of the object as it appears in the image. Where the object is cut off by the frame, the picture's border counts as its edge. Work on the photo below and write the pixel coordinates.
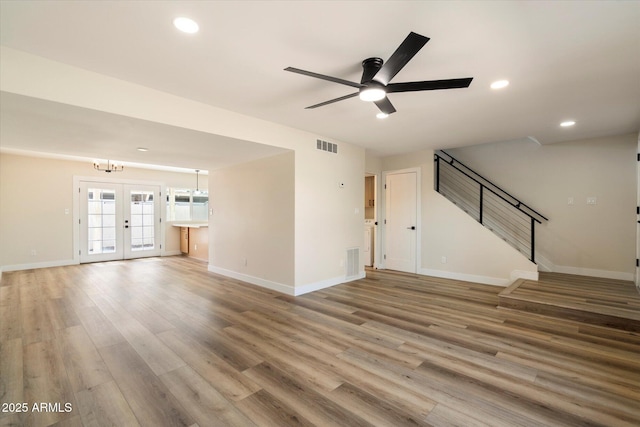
(565, 60)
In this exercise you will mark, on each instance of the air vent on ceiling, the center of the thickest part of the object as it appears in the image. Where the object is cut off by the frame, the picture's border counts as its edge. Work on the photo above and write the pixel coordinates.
(326, 146)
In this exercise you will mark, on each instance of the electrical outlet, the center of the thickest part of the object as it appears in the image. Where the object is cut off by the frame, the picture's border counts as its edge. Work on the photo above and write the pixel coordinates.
(34, 252)
(195, 247)
(443, 260)
(570, 201)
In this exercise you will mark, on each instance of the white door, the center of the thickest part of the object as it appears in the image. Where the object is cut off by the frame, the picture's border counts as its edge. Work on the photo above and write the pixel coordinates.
(118, 221)
(401, 226)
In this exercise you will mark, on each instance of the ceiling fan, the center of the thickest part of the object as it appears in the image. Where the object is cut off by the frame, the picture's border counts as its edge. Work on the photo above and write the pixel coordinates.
(377, 74)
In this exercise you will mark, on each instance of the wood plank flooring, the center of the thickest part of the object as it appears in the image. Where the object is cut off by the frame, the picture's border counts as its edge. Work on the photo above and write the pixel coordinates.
(163, 342)
(605, 302)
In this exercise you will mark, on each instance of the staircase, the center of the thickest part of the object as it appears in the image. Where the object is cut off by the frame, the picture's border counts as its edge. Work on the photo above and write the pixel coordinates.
(509, 218)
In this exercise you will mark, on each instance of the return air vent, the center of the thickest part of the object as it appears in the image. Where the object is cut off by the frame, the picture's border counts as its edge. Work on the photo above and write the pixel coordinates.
(326, 146)
(353, 262)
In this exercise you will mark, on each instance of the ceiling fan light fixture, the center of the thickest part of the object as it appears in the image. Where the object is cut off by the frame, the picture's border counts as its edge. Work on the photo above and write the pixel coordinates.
(371, 94)
(186, 25)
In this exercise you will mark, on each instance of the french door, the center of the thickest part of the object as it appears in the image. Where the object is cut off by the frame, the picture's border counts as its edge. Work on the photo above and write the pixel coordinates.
(118, 221)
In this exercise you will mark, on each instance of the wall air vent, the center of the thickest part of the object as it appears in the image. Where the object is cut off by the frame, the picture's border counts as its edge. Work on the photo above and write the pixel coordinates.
(326, 146)
(353, 262)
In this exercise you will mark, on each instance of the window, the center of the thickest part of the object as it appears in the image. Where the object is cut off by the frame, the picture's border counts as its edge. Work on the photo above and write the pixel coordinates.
(186, 205)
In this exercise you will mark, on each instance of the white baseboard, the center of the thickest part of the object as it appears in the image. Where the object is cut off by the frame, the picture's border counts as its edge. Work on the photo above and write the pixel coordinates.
(485, 280)
(547, 265)
(45, 264)
(604, 274)
(523, 274)
(274, 286)
(310, 287)
(280, 287)
(171, 253)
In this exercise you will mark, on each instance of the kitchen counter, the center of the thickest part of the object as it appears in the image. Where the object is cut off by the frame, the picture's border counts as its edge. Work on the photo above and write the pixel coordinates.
(190, 224)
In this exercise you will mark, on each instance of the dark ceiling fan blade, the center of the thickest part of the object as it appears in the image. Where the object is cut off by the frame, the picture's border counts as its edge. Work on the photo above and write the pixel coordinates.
(323, 77)
(331, 101)
(429, 85)
(403, 54)
(385, 105)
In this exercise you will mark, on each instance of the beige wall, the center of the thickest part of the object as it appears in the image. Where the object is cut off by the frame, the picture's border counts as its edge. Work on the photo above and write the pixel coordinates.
(579, 238)
(251, 231)
(35, 196)
(473, 252)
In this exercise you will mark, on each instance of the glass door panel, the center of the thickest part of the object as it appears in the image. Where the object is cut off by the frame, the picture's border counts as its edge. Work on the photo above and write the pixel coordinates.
(100, 219)
(142, 221)
(118, 221)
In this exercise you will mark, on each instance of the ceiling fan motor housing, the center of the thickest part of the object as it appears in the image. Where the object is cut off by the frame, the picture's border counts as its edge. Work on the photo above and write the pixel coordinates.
(370, 67)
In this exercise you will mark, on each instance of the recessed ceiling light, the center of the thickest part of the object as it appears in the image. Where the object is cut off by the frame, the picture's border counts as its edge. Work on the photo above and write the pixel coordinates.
(382, 115)
(186, 25)
(567, 123)
(499, 84)
(142, 149)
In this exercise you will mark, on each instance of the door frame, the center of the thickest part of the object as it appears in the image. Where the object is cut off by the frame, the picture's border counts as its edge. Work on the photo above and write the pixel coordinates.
(383, 209)
(637, 278)
(76, 207)
(377, 216)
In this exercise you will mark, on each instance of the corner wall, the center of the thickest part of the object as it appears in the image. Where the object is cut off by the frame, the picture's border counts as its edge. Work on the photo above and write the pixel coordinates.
(557, 179)
(251, 231)
(328, 219)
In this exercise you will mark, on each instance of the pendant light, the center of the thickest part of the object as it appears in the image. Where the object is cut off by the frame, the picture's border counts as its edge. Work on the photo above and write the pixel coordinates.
(197, 182)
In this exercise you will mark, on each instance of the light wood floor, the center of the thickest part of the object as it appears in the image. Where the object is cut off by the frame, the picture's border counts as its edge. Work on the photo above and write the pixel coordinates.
(597, 301)
(163, 342)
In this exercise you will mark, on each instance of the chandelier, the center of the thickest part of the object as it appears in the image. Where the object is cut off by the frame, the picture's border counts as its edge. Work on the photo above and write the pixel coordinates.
(110, 167)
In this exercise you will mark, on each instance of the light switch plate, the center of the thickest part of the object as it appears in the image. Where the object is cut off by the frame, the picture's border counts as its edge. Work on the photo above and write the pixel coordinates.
(592, 200)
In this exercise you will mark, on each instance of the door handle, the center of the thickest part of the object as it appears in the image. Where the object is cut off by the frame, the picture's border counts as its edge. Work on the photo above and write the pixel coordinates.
(411, 228)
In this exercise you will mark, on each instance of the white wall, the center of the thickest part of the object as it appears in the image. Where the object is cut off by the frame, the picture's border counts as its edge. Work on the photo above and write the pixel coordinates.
(473, 252)
(597, 240)
(252, 229)
(35, 196)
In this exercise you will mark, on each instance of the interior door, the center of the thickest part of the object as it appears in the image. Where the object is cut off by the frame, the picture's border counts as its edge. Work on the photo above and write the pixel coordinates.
(118, 221)
(401, 225)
